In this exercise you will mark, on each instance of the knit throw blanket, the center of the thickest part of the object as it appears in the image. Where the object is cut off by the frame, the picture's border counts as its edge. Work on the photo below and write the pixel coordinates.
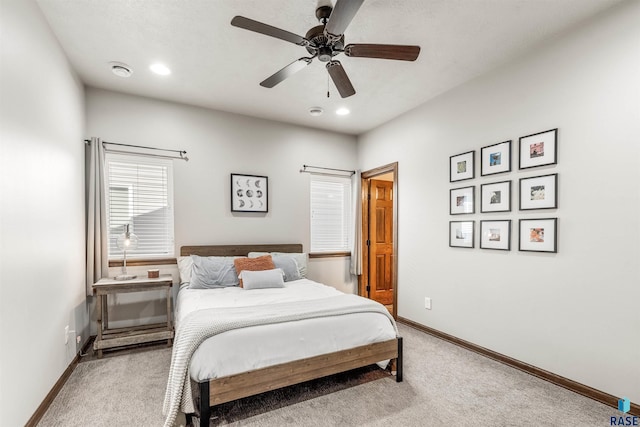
(200, 325)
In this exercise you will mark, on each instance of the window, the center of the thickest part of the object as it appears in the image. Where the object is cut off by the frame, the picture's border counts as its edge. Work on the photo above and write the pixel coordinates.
(140, 193)
(330, 214)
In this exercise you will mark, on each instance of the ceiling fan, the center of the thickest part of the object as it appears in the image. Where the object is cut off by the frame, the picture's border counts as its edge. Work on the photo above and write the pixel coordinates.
(326, 41)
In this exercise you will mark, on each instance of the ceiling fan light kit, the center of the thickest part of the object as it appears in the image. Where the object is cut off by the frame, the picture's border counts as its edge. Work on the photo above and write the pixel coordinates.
(325, 41)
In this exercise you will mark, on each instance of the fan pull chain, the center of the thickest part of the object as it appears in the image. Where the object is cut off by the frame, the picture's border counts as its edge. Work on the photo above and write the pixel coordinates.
(327, 85)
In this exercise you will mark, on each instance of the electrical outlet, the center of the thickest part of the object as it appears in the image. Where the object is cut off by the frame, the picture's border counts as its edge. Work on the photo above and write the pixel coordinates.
(78, 339)
(66, 335)
(427, 303)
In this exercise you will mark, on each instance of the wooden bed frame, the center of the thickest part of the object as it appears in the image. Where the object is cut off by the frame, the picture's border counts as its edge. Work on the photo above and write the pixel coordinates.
(227, 389)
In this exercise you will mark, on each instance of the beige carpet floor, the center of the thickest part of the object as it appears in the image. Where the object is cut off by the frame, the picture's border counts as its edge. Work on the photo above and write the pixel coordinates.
(444, 385)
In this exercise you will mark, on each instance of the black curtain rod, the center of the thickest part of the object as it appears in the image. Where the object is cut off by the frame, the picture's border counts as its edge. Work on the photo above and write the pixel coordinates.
(328, 169)
(181, 153)
(140, 146)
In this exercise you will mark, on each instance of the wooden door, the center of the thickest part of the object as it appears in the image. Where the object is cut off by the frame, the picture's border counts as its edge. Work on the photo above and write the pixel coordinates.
(381, 241)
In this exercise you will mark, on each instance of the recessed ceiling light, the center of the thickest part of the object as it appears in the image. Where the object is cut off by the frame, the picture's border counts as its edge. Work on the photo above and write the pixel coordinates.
(160, 69)
(120, 69)
(316, 111)
(342, 111)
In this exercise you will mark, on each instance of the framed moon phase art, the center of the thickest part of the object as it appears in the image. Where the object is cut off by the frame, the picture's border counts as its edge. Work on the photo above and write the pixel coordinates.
(249, 193)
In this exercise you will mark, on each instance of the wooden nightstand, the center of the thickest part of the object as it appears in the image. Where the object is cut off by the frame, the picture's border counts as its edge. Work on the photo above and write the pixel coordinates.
(109, 338)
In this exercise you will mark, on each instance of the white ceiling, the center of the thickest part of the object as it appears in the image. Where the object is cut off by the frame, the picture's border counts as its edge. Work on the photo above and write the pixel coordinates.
(219, 66)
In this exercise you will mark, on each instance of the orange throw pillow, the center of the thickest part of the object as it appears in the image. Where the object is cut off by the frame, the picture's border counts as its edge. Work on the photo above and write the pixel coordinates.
(264, 262)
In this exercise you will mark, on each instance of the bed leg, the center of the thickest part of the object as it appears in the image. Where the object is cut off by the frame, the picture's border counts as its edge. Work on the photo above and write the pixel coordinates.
(399, 362)
(205, 410)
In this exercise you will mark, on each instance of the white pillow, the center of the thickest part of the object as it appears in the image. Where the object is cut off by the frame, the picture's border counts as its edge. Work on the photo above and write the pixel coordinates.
(262, 279)
(185, 264)
(300, 258)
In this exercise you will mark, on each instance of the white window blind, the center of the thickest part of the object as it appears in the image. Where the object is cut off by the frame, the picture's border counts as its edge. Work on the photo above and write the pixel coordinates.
(330, 214)
(140, 193)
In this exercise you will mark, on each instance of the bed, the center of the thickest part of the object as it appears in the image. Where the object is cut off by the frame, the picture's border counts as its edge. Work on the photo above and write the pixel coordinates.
(278, 337)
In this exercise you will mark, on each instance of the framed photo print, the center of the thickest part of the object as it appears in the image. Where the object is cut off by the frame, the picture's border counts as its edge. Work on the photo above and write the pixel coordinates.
(495, 235)
(461, 200)
(539, 235)
(495, 197)
(249, 193)
(495, 158)
(539, 149)
(539, 192)
(461, 234)
(461, 166)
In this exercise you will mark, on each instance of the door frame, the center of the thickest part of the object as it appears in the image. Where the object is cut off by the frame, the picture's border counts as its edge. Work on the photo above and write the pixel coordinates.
(363, 279)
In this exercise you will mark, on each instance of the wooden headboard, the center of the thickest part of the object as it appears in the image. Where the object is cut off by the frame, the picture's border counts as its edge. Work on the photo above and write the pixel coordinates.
(238, 250)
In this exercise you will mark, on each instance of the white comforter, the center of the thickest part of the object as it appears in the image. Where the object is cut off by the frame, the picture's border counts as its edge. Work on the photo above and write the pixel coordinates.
(256, 347)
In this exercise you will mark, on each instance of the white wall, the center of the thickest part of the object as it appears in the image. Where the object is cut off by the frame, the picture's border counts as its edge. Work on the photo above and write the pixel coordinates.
(218, 144)
(574, 313)
(42, 211)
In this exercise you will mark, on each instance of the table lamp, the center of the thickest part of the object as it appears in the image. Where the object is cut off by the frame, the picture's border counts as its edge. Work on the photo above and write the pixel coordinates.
(127, 241)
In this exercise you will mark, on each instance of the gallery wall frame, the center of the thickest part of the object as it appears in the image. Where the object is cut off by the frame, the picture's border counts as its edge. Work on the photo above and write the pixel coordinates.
(538, 235)
(249, 193)
(462, 166)
(495, 234)
(495, 197)
(462, 200)
(538, 149)
(462, 234)
(539, 192)
(495, 158)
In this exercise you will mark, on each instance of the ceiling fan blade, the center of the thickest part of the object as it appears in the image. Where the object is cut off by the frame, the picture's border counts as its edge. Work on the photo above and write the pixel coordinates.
(341, 16)
(340, 79)
(287, 71)
(383, 51)
(268, 30)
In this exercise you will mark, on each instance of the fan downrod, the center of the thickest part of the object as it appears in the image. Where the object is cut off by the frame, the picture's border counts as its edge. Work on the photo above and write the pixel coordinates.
(323, 13)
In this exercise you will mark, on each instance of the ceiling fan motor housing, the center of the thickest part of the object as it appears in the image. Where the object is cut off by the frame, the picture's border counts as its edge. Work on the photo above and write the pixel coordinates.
(320, 45)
